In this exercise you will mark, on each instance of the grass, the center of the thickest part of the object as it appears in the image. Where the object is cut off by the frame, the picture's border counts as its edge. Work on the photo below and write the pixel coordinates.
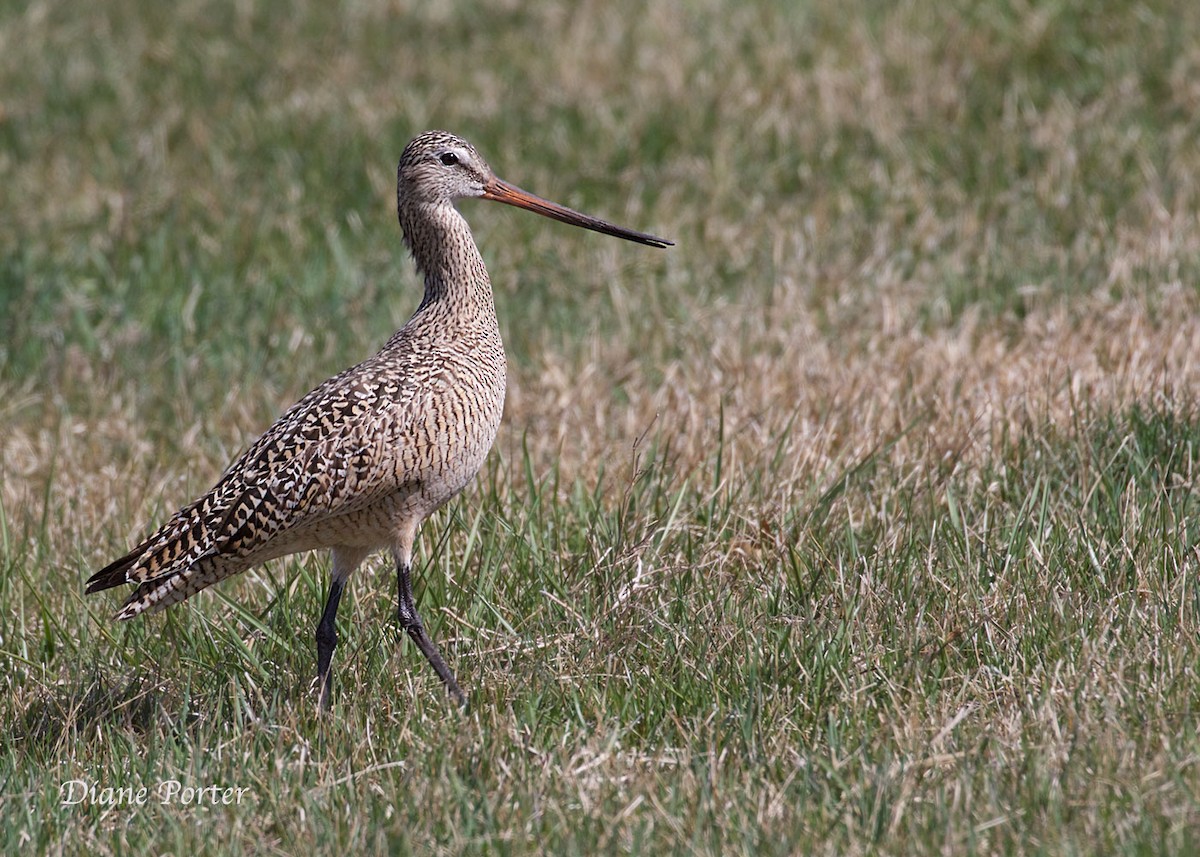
(861, 521)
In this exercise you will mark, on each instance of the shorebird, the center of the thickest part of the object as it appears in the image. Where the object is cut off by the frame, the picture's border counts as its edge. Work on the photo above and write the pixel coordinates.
(361, 461)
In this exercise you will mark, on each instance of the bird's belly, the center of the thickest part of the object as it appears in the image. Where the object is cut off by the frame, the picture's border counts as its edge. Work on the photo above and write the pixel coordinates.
(370, 527)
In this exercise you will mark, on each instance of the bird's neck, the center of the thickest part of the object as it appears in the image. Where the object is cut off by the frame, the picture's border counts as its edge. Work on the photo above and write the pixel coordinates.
(441, 245)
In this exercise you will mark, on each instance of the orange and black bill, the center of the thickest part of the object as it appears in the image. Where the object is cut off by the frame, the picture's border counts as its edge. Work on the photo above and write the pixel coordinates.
(502, 191)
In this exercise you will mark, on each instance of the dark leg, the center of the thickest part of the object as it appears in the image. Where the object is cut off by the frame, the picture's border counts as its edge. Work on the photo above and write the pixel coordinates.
(411, 622)
(327, 640)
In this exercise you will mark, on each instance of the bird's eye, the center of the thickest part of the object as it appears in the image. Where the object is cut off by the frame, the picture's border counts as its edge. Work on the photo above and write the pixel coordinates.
(449, 159)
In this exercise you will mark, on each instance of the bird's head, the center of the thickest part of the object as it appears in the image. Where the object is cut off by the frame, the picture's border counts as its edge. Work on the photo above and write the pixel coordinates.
(437, 168)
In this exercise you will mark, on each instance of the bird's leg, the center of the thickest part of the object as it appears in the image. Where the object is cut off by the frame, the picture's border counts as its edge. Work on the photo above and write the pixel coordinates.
(345, 561)
(411, 622)
(326, 641)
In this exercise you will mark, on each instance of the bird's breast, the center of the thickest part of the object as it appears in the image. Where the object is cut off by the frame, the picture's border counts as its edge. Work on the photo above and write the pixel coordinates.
(457, 419)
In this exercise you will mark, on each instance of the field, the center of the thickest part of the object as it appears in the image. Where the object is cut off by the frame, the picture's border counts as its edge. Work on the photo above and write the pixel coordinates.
(864, 520)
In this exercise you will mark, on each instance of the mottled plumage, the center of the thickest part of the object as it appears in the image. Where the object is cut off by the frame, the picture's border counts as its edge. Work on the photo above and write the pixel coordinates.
(358, 463)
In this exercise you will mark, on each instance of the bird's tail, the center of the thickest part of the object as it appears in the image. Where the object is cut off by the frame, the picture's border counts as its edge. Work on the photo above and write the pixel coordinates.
(116, 572)
(173, 563)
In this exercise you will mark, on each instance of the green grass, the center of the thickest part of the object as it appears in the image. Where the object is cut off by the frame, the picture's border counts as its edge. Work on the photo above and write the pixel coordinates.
(863, 520)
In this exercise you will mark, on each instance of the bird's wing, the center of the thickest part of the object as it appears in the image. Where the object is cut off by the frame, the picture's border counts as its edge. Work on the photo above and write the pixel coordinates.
(327, 455)
(327, 460)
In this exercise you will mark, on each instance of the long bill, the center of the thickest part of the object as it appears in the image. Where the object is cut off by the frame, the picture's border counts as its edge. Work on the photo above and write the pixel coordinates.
(501, 191)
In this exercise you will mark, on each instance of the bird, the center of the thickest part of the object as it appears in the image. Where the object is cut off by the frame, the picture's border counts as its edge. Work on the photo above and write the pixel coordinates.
(357, 464)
